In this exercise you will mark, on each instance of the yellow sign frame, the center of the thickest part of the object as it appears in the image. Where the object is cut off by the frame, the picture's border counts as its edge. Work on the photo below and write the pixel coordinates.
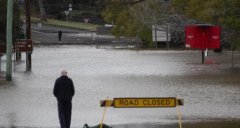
(143, 102)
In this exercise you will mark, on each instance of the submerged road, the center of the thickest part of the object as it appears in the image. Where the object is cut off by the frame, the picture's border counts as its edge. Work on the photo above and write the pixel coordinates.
(211, 92)
(48, 35)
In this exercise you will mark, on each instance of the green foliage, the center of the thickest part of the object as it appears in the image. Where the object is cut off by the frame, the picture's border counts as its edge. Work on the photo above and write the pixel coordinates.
(236, 43)
(125, 24)
(179, 6)
(134, 20)
(220, 12)
(146, 37)
(112, 10)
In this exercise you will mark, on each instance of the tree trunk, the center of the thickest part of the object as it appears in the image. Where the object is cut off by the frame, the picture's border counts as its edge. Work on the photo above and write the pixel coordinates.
(42, 11)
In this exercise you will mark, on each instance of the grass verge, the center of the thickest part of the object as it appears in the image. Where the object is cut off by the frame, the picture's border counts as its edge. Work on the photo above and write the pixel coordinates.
(68, 24)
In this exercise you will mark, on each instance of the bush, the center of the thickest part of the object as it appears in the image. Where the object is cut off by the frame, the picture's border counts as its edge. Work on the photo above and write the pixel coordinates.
(146, 37)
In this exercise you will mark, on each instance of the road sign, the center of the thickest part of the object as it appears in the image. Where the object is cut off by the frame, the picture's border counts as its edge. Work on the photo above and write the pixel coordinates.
(144, 102)
(160, 33)
(106, 103)
(23, 45)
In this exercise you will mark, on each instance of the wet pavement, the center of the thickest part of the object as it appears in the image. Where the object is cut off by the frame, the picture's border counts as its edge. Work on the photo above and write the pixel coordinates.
(211, 92)
(48, 35)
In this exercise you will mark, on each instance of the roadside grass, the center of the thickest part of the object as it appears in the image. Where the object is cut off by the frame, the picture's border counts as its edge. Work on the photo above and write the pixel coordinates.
(67, 24)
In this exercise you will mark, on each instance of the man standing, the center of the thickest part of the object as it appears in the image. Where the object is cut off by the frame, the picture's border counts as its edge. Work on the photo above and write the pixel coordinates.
(64, 91)
(59, 35)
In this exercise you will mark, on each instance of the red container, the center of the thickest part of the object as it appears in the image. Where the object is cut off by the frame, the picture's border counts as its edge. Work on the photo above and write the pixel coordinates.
(202, 36)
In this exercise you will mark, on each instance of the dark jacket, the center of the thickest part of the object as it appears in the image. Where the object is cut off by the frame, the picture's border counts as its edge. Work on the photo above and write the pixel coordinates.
(64, 89)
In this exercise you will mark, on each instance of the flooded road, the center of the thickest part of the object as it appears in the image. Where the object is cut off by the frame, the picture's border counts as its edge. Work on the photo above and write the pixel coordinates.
(211, 92)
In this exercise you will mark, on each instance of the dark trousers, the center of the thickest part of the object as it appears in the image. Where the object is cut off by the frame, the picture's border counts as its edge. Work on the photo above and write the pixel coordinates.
(59, 35)
(64, 113)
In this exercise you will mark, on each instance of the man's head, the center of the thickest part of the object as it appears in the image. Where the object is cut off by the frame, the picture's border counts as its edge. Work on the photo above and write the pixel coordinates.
(64, 73)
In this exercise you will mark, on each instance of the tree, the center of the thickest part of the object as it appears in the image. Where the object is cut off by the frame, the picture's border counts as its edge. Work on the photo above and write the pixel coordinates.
(3, 24)
(117, 12)
(3, 12)
(177, 14)
(146, 13)
(220, 12)
(80, 8)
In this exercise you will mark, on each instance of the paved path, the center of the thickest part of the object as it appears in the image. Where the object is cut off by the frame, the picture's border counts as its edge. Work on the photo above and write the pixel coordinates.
(48, 35)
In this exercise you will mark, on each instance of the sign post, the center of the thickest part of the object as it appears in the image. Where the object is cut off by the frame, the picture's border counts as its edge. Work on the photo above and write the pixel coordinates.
(28, 34)
(9, 40)
(160, 33)
(20, 45)
(179, 115)
(104, 113)
(23, 45)
(66, 13)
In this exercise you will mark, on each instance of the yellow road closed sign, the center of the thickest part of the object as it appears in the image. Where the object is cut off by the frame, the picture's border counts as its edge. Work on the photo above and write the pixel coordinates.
(144, 102)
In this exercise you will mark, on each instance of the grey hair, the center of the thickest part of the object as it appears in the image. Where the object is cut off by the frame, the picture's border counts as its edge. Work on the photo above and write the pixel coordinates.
(64, 73)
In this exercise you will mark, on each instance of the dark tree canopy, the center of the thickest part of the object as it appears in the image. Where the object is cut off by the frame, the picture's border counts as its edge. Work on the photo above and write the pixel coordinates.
(80, 9)
(3, 16)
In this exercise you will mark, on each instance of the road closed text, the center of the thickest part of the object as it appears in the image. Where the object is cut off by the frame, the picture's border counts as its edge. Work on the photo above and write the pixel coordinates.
(144, 102)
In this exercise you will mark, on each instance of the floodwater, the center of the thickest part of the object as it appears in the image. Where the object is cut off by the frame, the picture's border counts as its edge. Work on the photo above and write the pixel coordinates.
(211, 92)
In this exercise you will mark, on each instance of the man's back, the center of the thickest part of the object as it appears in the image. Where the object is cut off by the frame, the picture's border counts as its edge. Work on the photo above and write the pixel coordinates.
(63, 89)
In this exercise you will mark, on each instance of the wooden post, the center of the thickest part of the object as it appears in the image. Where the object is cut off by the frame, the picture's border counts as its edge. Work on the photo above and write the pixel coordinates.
(104, 113)
(156, 37)
(168, 45)
(203, 56)
(179, 114)
(28, 34)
